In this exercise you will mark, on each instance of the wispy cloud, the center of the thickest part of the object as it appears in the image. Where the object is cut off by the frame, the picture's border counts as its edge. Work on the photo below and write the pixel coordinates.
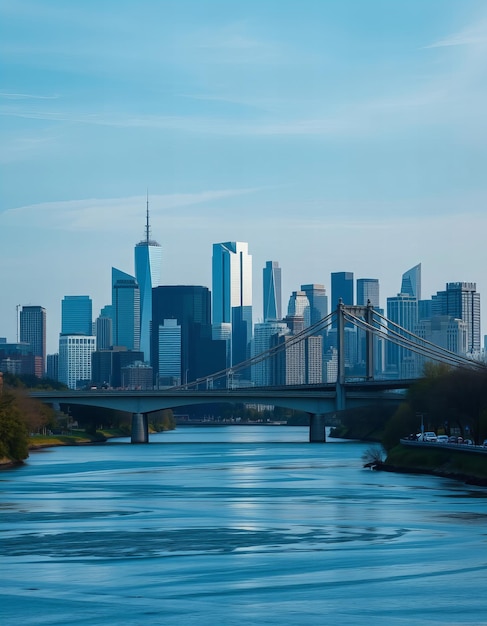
(26, 96)
(95, 214)
(470, 36)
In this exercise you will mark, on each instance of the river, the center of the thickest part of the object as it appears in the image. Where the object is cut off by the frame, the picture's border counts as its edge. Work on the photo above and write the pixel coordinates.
(234, 526)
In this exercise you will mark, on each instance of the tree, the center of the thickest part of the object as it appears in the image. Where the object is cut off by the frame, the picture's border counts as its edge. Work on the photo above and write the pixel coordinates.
(13, 432)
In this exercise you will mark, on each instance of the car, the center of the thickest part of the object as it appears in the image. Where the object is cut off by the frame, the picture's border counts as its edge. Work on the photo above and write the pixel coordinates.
(468, 442)
(442, 439)
(485, 443)
(427, 436)
(452, 439)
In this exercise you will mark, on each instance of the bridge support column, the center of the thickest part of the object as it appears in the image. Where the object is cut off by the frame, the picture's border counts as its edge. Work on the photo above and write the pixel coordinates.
(140, 428)
(317, 433)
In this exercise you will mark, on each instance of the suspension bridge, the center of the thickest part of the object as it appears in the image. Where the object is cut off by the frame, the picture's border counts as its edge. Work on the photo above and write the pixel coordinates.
(290, 380)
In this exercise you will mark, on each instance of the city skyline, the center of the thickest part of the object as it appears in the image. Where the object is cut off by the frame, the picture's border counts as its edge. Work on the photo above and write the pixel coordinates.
(330, 136)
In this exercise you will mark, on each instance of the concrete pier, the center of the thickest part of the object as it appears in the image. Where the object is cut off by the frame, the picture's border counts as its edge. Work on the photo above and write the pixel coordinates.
(317, 433)
(140, 428)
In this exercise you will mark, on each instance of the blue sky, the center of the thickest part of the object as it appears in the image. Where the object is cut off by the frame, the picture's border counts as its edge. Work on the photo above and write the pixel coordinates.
(332, 136)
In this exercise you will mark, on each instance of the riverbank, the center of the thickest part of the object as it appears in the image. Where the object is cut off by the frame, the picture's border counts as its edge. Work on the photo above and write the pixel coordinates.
(455, 464)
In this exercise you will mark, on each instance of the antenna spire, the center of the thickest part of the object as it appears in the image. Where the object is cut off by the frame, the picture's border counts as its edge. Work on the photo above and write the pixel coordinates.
(147, 227)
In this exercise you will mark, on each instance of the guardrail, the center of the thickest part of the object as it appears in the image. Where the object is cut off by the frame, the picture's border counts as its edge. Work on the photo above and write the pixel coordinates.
(459, 447)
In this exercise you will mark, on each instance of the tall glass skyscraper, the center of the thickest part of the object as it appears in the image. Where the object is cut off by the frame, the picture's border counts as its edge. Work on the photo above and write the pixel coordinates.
(368, 290)
(232, 294)
(148, 261)
(33, 331)
(76, 315)
(461, 301)
(272, 296)
(125, 310)
(341, 287)
(318, 301)
(411, 282)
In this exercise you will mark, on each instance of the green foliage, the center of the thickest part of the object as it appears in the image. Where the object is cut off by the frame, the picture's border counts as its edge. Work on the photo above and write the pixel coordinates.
(13, 432)
(445, 399)
(162, 420)
(401, 424)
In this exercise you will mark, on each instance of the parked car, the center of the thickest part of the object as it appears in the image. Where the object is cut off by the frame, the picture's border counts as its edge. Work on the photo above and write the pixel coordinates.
(468, 442)
(452, 439)
(485, 443)
(442, 439)
(427, 436)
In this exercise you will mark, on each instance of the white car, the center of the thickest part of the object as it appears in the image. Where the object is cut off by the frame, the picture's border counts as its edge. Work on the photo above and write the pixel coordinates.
(442, 439)
(428, 436)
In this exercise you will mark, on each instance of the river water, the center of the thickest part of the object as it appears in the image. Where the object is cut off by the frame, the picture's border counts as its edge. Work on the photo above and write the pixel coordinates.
(236, 526)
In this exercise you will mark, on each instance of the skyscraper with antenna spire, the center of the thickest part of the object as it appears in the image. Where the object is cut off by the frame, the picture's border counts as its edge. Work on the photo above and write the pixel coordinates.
(148, 260)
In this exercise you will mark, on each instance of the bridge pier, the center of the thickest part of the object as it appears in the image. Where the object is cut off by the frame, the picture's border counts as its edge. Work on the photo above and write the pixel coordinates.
(140, 428)
(317, 433)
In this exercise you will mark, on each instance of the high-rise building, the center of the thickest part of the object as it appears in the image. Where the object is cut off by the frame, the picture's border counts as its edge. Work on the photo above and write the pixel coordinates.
(461, 301)
(402, 310)
(272, 296)
(75, 359)
(263, 332)
(341, 287)
(411, 282)
(190, 306)
(76, 315)
(299, 306)
(368, 291)
(33, 331)
(125, 310)
(104, 328)
(169, 334)
(318, 301)
(148, 261)
(232, 294)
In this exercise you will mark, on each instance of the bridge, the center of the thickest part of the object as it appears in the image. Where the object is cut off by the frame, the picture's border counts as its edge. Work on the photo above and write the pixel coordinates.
(317, 399)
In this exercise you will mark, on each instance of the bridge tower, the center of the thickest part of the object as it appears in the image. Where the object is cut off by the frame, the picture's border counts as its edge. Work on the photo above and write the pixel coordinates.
(367, 313)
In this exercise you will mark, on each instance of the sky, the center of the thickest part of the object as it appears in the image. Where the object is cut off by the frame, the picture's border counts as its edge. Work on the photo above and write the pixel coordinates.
(331, 136)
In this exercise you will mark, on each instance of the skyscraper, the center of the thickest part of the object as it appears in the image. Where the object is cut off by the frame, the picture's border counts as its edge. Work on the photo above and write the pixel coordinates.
(148, 260)
(411, 282)
(341, 287)
(76, 315)
(190, 307)
(403, 311)
(75, 359)
(368, 291)
(318, 301)
(232, 294)
(461, 301)
(272, 298)
(33, 331)
(125, 310)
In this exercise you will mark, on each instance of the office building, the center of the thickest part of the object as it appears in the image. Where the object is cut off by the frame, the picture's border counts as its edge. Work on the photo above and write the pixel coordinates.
(75, 359)
(190, 306)
(103, 331)
(461, 301)
(232, 294)
(318, 302)
(76, 315)
(261, 343)
(272, 296)
(298, 306)
(33, 331)
(411, 282)
(137, 376)
(341, 288)
(125, 310)
(148, 262)
(169, 346)
(368, 291)
(52, 367)
(402, 310)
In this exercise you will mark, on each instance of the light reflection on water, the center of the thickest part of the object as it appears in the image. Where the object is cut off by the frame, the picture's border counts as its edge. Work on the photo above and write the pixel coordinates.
(233, 526)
